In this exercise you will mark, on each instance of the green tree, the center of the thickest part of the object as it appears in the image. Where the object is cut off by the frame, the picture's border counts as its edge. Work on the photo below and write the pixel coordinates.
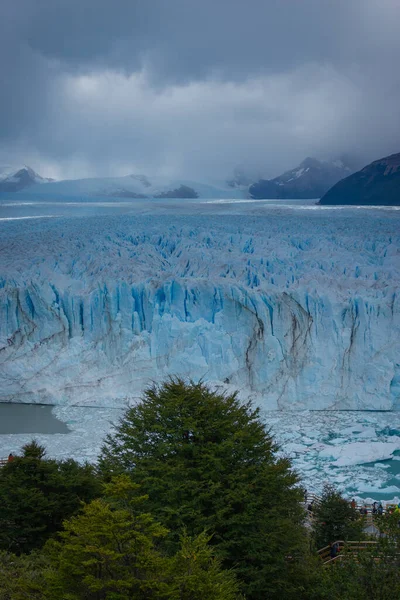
(106, 553)
(21, 577)
(389, 525)
(196, 574)
(110, 551)
(37, 494)
(371, 574)
(335, 519)
(208, 463)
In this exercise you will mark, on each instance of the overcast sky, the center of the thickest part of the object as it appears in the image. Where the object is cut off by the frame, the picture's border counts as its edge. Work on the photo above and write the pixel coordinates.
(196, 87)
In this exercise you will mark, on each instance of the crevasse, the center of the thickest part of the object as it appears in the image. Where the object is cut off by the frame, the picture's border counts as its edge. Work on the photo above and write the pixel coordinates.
(297, 308)
(290, 349)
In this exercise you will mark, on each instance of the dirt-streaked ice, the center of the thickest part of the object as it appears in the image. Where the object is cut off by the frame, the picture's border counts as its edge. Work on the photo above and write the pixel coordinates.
(295, 308)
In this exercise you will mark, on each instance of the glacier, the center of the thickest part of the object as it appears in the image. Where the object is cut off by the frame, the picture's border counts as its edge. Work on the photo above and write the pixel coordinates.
(139, 186)
(295, 306)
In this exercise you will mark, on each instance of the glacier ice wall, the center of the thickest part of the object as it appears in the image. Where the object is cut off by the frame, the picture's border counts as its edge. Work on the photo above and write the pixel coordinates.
(299, 311)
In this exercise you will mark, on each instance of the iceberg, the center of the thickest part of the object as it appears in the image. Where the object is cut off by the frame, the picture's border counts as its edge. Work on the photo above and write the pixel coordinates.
(296, 309)
(358, 453)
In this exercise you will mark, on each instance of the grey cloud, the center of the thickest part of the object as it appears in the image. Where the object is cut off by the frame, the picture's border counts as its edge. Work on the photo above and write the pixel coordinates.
(184, 85)
(188, 39)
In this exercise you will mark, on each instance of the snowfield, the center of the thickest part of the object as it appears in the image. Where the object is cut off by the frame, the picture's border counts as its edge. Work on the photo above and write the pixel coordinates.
(294, 307)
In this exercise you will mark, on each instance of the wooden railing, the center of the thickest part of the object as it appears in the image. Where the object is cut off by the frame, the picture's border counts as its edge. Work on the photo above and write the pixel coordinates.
(350, 548)
(310, 497)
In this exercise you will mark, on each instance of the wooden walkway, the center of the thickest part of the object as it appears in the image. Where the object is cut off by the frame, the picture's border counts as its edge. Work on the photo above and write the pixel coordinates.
(314, 499)
(345, 549)
(369, 515)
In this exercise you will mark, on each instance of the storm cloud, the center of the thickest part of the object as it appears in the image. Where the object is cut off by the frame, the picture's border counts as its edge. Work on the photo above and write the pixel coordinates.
(93, 87)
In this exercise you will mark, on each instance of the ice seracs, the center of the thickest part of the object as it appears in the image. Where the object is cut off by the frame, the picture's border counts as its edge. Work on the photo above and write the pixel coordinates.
(298, 309)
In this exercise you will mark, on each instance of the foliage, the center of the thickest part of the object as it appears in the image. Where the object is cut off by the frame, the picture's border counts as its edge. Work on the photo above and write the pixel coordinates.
(389, 525)
(110, 551)
(21, 577)
(106, 553)
(196, 574)
(208, 463)
(37, 494)
(371, 574)
(335, 519)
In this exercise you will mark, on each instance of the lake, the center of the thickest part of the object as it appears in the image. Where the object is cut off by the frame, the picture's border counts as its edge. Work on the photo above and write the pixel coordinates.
(29, 418)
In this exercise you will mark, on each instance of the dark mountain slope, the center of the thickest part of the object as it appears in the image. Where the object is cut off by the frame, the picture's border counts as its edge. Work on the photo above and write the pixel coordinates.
(311, 179)
(376, 184)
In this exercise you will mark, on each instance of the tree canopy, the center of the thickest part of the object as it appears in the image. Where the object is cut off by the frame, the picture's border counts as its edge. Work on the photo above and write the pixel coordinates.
(111, 551)
(335, 519)
(208, 463)
(37, 494)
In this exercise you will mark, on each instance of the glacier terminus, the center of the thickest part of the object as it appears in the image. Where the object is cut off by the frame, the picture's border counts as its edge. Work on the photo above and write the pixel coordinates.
(294, 305)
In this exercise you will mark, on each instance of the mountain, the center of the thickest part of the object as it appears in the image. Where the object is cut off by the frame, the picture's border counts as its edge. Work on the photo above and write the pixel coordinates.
(183, 191)
(17, 178)
(311, 179)
(376, 184)
(139, 186)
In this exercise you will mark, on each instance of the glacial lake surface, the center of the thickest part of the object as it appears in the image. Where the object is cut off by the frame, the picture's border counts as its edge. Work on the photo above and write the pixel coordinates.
(29, 419)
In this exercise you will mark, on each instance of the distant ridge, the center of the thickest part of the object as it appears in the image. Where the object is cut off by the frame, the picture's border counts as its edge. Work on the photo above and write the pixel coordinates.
(135, 186)
(376, 184)
(17, 178)
(311, 179)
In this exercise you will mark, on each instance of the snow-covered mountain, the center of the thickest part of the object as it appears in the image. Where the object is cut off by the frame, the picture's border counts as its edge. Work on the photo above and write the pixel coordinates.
(295, 306)
(311, 179)
(16, 178)
(139, 186)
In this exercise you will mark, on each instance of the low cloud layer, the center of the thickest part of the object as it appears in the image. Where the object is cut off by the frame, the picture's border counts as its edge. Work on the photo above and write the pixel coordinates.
(92, 87)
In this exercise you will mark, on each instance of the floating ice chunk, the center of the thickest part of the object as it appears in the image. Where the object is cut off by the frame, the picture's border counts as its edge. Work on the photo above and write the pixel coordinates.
(352, 430)
(306, 466)
(396, 439)
(368, 433)
(296, 448)
(307, 441)
(358, 453)
(312, 433)
(374, 489)
(319, 446)
(286, 436)
(341, 478)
